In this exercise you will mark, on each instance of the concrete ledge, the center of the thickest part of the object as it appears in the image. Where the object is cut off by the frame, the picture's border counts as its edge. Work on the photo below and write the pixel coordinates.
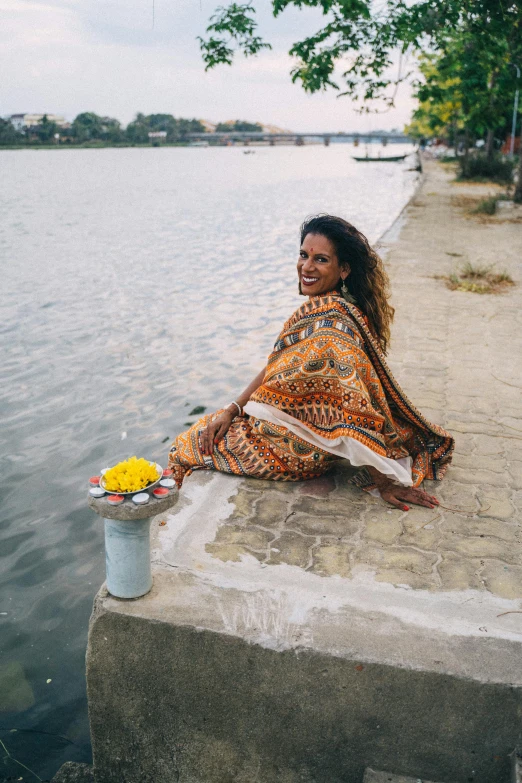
(375, 776)
(241, 671)
(170, 702)
(74, 772)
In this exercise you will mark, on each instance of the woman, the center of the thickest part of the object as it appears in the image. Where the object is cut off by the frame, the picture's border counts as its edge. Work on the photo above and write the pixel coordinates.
(326, 392)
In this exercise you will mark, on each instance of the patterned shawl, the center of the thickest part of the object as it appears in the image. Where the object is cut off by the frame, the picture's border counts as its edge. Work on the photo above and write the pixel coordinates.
(328, 371)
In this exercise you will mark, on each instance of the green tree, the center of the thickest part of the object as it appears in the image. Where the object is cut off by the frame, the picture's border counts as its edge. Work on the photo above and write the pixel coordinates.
(163, 122)
(185, 126)
(176, 129)
(239, 125)
(366, 39)
(45, 130)
(137, 131)
(439, 112)
(8, 134)
(111, 130)
(89, 126)
(456, 98)
(86, 126)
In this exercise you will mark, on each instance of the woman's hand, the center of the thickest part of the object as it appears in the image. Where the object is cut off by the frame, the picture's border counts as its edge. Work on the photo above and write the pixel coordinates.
(216, 430)
(220, 425)
(396, 495)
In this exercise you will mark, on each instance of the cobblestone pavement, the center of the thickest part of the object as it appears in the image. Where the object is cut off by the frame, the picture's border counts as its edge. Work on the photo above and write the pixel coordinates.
(458, 357)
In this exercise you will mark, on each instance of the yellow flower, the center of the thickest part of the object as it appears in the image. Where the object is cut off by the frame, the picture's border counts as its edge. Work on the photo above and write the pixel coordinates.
(131, 475)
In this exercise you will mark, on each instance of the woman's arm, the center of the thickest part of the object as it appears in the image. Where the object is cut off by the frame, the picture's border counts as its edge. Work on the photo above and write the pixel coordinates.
(218, 428)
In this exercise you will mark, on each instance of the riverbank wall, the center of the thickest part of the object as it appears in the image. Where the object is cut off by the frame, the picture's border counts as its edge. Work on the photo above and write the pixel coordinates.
(307, 632)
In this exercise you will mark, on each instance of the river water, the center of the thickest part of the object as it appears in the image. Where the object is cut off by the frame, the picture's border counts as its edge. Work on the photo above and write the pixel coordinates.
(136, 284)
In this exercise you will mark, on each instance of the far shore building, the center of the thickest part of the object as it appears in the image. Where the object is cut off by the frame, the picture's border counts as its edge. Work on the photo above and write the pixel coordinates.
(158, 135)
(22, 121)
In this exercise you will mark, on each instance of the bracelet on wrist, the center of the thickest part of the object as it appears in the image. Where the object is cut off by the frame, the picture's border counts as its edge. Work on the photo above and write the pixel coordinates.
(238, 406)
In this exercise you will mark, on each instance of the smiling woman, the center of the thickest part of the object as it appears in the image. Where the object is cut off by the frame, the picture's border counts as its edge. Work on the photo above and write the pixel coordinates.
(326, 392)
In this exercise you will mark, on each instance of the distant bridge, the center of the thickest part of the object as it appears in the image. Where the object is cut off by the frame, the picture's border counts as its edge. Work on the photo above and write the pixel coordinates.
(248, 137)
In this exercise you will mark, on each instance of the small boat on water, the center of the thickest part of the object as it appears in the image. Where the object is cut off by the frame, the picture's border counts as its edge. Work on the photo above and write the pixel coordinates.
(381, 159)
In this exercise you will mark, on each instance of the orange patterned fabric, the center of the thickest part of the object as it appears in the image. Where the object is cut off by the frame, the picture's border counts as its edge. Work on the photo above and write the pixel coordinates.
(251, 447)
(327, 371)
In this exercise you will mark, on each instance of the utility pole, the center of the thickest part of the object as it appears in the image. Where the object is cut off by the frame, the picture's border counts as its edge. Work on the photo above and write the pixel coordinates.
(514, 123)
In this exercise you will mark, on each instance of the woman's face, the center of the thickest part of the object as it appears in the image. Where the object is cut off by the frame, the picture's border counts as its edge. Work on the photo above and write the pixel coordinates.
(318, 267)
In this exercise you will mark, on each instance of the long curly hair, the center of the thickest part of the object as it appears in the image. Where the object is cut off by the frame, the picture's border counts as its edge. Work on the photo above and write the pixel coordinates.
(367, 282)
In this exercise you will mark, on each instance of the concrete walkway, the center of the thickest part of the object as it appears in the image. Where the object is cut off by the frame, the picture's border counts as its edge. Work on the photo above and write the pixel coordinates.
(303, 632)
(458, 355)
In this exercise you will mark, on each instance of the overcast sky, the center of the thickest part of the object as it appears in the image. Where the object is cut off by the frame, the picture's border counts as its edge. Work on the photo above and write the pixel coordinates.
(68, 56)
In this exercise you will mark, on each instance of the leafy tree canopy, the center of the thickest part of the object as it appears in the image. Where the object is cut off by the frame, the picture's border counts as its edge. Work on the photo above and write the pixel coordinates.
(175, 128)
(462, 89)
(45, 130)
(239, 125)
(476, 45)
(8, 134)
(89, 126)
(363, 38)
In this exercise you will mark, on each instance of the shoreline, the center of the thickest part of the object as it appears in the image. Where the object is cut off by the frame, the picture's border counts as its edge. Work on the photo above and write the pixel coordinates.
(391, 234)
(148, 145)
(40, 147)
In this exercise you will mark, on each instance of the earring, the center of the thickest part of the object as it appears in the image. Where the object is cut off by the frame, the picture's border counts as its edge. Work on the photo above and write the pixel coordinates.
(346, 294)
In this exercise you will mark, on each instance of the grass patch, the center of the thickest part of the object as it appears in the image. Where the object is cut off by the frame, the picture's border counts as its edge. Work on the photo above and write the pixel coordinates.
(474, 208)
(471, 272)
(477, 279)
(488, 206)
(480, 168)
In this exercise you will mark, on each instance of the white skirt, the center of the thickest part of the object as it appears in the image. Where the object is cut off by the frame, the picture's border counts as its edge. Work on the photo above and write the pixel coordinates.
(357, 454)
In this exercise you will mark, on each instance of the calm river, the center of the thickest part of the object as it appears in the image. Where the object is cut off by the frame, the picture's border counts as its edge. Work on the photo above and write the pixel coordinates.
(136, 284)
